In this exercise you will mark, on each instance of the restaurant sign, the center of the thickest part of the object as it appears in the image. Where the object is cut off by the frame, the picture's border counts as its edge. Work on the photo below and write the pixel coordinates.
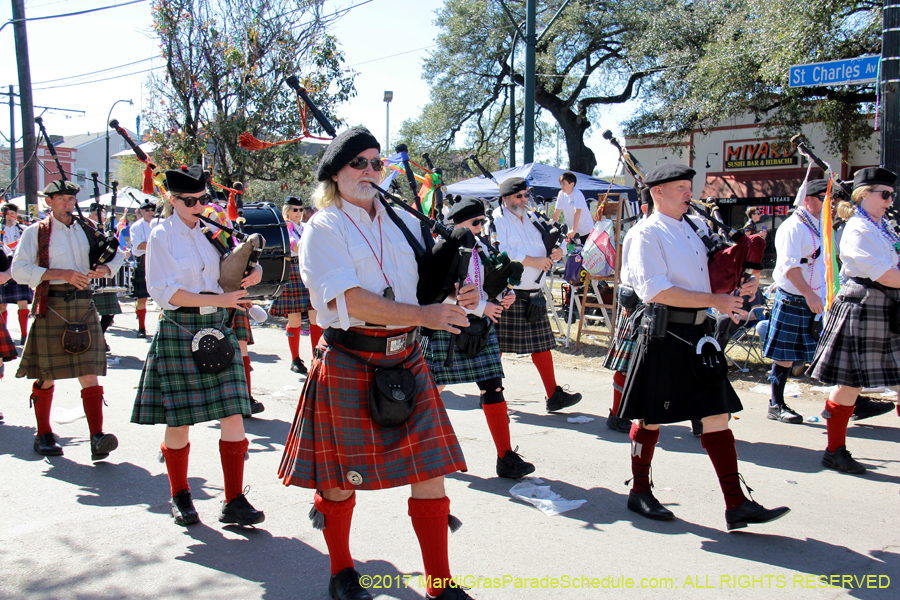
(754, 154)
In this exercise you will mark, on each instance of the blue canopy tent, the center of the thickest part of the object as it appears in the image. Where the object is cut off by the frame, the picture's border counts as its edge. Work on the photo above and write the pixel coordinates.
(543, 181)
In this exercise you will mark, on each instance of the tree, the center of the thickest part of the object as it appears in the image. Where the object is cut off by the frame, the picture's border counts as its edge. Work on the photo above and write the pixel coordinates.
(582, 63)
(226, 61)
(740, 65)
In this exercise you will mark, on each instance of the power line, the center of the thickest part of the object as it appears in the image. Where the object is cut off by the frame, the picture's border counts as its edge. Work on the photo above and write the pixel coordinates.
(72, 14)
(54, 87)
(392, 56)
(95, 72)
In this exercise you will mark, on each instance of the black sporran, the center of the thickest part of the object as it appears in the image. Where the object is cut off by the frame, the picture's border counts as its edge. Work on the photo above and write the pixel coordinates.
(815, 327)
(392, 398)
(894, 318)
(76, 338)
(536, 310)
(709, 363)
(212, 351)
(472, 339)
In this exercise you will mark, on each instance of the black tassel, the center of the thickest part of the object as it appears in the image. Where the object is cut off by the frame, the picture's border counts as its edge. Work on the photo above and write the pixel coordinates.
(453, 523)
(316, 518)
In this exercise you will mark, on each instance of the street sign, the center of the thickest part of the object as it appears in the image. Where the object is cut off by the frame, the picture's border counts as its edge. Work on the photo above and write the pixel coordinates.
(852, 71)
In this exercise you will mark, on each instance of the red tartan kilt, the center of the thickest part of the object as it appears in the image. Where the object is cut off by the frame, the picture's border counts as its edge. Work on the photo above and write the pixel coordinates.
(7, 346)
(332, 434)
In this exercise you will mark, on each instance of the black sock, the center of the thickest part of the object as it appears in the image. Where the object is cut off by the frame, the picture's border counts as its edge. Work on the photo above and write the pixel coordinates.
(105, 322)
(778, 378)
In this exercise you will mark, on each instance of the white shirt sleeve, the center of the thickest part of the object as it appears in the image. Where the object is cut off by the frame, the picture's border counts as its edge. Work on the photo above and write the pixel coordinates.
(863, 252)
(24, 268)
(162, 270)
(648, 268)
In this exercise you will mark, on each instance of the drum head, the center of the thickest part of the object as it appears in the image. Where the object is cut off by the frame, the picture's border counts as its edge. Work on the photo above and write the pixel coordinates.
(266, 220)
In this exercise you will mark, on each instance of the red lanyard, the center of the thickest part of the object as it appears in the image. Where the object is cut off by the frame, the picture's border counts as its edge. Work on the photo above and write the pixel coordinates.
(378, 258)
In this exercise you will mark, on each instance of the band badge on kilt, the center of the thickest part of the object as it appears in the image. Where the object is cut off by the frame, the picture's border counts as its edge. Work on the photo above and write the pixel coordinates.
(395, 345)
(211, 350)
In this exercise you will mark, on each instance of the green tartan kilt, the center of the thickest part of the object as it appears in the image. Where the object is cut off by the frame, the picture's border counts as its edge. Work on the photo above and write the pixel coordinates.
(172, 389)
(44, 356)
(241, 326)
(107, 303)
(464, 369)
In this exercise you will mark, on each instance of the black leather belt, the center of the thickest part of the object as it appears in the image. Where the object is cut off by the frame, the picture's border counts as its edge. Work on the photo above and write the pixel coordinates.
(793, 299)
(681, 316)
(77, 294)
(195, 310)
(525, 294)
(365, 343)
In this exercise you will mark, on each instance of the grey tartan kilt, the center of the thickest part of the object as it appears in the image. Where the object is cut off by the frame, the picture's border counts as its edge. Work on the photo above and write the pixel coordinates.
(789, 338)
(857, 349)
(107, 303)
(13, 293)
(464, 369)
(172, 389)
(622, 346)
(44, 356)
(515, 334)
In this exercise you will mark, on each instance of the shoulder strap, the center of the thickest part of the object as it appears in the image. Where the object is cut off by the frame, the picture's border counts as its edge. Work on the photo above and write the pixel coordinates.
(417, 248)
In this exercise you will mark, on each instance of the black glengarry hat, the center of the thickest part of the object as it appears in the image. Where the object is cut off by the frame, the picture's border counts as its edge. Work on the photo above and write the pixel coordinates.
(294, 201)
(186, 180)
(816, 187)
(465, 209)
(60, 187)
(513, 185)
(668, 172)
(344, 148)
(874, 176)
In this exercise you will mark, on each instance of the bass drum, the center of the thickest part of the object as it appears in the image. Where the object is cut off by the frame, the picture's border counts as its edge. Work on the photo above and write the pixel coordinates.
(266, 220)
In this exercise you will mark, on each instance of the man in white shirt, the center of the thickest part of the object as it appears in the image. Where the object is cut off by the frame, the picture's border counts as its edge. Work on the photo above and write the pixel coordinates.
(140, 234)
(53, 258)
(13, 292)
(571, 203)
(675, 374)
(524, 328)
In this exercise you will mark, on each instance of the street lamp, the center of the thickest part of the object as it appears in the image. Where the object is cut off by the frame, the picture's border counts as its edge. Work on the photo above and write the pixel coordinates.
(707, 157)
(108, 117)
(388, 96)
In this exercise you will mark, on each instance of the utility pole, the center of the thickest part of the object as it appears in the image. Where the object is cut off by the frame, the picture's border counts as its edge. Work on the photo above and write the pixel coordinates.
(530, 44)
(890, 80)
(28, 138)
(12, 143)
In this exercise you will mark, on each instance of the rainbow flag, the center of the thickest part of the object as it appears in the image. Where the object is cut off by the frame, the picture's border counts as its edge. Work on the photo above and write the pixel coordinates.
(832, 281)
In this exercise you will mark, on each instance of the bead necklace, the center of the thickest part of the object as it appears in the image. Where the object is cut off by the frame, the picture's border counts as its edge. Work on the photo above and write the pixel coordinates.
(807, 220)
(892, 238)
(476, 261)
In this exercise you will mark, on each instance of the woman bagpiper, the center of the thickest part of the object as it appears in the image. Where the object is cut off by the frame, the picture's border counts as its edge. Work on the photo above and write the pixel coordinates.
(860, 345)
(484, 369)
(294, 301)
(182, 384)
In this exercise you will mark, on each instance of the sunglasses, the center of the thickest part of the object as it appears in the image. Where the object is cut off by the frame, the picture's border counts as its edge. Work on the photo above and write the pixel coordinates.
(294, 209)
(522, 195)
(886, 195)
(359, 163)
(192, 201)
(478, 222)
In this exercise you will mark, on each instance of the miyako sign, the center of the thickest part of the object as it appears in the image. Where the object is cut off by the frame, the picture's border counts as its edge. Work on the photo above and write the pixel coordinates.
(755, 154)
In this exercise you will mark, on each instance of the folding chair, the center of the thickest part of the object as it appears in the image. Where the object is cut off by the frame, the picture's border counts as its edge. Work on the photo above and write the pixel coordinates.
(747, 338)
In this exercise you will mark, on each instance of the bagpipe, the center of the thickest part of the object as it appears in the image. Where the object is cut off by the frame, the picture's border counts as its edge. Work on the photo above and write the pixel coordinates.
(102, 247)
(730, 258)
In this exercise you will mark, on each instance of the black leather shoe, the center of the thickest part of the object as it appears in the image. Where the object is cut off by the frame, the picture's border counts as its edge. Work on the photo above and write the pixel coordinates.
(512, 466)
(102, 444)
(141, 334)
(47, 445)
(843, 461)
(240, 512)
(784, 413)
(297, 366)
(866, 407)
(618, 424)
(696, 428)
(183, 509)
(752, 512)
(562, 399)
(451, 593)
(345, 586)
(647, 505)
(1, 418)
(256, 407)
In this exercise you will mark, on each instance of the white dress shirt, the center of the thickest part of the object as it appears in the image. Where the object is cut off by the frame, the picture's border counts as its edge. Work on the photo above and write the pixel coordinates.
(335, 256)
(519, 238)
(666, 253)
(865, 252)
(794, 242)
(625, 276)
(180, 258)
(69, 248)
(11, 233)
(295, 232)
(140, 234)
(568, 204)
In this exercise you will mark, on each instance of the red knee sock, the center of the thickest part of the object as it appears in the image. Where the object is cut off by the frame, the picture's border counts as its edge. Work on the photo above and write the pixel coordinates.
(247, 374)
(618, 388)
(315, 332)
(293, 334)
(429, 520)
(42, 400)
(141, 317)
(3, 317)
(837, 424)
(338, 516)
(232, 455)
(92, 399)
(643, 443)
(23, 322)
(720, 447)
(498, 422)
(544, 363)
(177, 467)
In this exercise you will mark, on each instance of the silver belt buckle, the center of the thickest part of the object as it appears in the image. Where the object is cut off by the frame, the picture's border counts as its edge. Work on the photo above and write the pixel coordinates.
(208, 310)
(395, 345)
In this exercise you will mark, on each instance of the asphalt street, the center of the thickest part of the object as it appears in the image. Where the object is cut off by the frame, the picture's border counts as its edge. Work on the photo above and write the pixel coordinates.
(77, 530)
